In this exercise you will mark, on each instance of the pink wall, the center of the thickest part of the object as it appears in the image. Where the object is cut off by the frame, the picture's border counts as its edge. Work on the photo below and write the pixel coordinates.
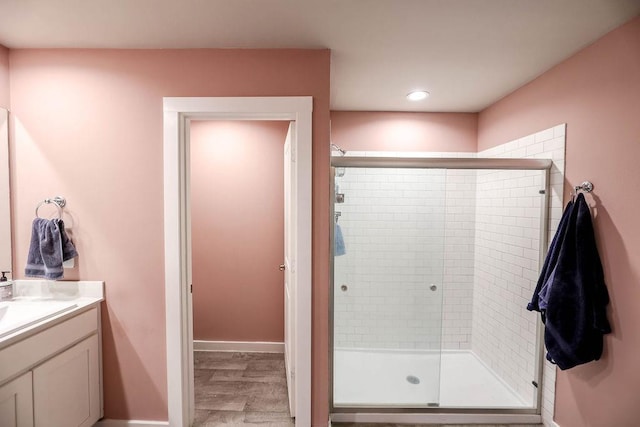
(88, 126)
(237, 222)
(4, 77)
(391, 131)
(597, 93)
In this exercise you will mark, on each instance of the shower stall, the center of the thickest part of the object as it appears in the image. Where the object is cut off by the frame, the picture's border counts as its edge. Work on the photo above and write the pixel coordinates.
(434, 262)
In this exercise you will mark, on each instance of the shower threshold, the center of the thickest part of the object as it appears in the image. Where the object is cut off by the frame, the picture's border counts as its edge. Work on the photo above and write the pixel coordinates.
(435, 418)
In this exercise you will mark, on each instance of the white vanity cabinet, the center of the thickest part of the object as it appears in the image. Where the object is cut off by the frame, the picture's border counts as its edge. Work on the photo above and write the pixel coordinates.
(16, 402)
(66, 388)
(55, 374)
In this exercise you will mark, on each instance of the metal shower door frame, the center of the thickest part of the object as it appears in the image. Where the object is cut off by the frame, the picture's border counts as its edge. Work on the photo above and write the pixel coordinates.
(442, 414)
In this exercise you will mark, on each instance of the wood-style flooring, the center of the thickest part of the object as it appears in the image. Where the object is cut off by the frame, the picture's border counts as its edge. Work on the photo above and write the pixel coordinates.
(240, 389)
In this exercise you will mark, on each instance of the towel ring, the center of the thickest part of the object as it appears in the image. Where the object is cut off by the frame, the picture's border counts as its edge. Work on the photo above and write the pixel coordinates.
(60, 202)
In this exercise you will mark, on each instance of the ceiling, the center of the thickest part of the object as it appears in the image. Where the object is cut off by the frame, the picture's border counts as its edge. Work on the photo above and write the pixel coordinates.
(466, 53)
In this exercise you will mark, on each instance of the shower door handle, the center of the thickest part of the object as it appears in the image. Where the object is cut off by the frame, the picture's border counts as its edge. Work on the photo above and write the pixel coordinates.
(281, 267)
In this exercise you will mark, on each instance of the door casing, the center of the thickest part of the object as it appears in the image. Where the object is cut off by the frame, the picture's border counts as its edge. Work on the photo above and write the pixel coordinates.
(178, 111)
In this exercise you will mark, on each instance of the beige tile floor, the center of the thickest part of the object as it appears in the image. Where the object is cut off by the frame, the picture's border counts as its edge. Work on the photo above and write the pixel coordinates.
(240, 389)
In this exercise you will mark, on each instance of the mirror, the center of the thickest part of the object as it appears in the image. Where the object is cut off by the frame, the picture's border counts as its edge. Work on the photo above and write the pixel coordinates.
(5, 211)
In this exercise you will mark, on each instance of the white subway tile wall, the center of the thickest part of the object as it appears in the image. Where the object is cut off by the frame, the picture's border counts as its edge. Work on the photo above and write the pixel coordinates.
(454, 283)
(459, 254)
(506, 262)
(508, 212)
(392, 221)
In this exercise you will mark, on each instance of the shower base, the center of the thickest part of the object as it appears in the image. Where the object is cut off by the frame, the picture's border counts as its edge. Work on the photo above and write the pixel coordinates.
(386, 378)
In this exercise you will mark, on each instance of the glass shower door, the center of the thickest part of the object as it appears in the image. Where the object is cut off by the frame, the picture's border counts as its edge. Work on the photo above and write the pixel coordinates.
(387, 292)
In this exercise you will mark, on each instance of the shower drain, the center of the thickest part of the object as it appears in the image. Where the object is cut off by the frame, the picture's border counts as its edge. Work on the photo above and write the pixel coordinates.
(412, 379)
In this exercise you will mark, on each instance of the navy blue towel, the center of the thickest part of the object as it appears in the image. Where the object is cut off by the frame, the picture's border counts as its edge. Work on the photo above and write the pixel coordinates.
(539, 302)
(577, 297)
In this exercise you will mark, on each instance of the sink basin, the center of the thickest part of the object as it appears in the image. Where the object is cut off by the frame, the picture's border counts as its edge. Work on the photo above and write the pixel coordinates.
(16, 315)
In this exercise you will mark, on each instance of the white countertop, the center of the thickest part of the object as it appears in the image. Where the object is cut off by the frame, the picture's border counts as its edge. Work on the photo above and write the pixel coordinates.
(38, 304)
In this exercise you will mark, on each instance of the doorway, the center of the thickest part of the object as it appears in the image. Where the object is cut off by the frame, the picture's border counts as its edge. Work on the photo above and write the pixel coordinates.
(237, 244)
(178, 112)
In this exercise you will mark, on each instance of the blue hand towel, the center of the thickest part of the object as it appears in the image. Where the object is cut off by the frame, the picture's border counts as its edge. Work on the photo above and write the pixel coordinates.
(338, 240)
(50, 246)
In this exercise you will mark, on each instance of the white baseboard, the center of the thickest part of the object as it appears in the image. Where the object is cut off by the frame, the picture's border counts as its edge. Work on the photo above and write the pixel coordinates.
(130, 423)
(242, 346)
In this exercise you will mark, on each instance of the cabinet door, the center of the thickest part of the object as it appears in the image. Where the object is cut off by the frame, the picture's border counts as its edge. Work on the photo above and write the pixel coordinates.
(66, 388)
(16, 403)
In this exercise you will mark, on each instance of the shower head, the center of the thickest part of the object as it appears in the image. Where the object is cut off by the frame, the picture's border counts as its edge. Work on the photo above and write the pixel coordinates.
(338, 149)
(339, 171)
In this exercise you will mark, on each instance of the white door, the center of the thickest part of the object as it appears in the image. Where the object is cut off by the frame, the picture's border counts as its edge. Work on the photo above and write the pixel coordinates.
(289, 267)
(191, 390)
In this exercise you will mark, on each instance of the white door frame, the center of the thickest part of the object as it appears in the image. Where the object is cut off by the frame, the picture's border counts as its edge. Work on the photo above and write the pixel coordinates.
(177, 113)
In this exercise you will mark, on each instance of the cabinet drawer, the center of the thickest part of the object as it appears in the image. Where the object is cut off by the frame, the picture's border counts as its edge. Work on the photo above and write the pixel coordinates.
(27, 353)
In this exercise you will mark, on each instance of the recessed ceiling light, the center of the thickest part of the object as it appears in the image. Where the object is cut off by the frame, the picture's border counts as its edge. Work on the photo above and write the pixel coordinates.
(417, 95)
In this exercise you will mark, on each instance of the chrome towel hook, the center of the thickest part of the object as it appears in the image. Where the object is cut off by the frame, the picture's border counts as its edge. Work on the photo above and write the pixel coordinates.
(586, 186)
(58, 201)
